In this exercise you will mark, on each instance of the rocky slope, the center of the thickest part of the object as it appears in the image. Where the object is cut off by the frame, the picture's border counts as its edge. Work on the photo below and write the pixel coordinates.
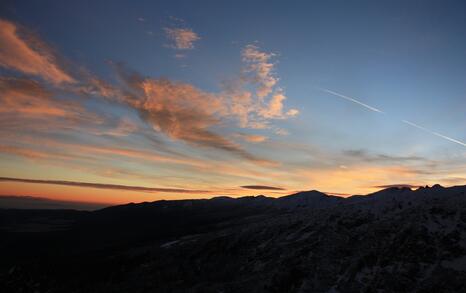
(395, 240)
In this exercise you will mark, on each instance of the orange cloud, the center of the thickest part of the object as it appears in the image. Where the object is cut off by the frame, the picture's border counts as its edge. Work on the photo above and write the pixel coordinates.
(27, 106)
(66, 155)
(64, 150)
(275, 107)
(131, 153)
(181, 38)
(28, 153)
(40, 117)
(27, 97)
(251, 137)
(28, 55)
(260, 69)
(182, 112)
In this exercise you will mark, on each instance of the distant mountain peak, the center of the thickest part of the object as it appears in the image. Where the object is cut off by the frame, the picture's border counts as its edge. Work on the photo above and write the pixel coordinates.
(435, 186)
(397, 189)
(307, 193)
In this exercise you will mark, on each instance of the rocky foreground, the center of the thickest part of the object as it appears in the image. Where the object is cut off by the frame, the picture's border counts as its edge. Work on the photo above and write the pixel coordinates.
(395, 240)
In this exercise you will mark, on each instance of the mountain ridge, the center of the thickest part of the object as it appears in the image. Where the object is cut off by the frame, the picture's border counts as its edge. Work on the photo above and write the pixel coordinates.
(32, 202)
(394, 240)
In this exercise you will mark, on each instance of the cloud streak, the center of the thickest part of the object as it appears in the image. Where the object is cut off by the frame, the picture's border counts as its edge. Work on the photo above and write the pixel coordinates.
(363, 155)
(404, 121)
(29, 98)
(434, 133)
(186, 113)
(352, 100)
(25, 53)
(102, 186)
(182, 112)
(261, 187)
(46, 115)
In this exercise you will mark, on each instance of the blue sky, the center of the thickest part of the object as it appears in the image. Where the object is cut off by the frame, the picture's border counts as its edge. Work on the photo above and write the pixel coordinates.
(405, 58)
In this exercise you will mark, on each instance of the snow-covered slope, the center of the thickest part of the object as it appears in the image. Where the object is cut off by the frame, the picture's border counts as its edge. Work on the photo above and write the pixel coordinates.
(394, 240)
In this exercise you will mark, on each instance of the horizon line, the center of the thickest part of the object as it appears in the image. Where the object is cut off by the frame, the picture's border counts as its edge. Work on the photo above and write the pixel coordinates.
(153, 189)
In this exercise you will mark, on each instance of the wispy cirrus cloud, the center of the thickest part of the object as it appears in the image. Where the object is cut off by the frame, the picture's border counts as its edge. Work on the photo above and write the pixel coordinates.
(364, 155)
(27, 97)
(181, 38)
(259, 69)
(25, 152)
(63, 150)
(255, 99)
(102, 185)
(23, 52)
(46, 119)
(179, 110)
(28, 107)
(95, 159)
(184, 112)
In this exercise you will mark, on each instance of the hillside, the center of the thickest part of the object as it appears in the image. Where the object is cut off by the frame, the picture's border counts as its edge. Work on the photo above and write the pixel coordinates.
(394, 240)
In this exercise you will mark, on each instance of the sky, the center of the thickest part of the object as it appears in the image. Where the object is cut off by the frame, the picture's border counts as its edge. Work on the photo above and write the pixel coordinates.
(130, 101)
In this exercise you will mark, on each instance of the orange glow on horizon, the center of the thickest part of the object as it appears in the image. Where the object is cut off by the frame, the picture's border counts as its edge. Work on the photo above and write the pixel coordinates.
(111, 196)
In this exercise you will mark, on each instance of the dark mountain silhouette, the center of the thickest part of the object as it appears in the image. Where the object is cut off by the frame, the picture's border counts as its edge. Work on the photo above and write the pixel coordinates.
(308, 199)
(394, 240)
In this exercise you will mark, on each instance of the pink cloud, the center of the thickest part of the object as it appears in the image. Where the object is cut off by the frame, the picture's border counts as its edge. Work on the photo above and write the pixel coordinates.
(181, 38)
(179, 110)
(28, 98)
(254, 138)
(183, 112)
(28, 55)
(260, 68)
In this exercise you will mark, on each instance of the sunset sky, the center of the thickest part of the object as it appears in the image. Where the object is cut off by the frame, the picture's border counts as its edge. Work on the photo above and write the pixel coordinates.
(129, 101)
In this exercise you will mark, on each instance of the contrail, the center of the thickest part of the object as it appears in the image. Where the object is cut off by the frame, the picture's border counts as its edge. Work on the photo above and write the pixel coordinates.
(351, 100)
(434, 133)
(404, 121)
